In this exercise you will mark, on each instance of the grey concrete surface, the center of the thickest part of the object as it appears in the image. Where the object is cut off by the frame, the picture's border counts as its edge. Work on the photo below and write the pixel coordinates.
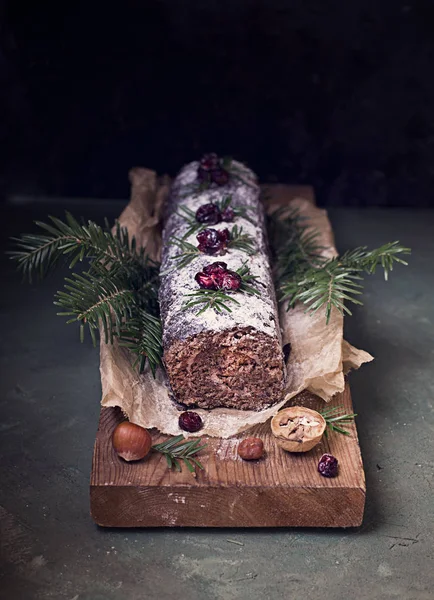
(49, 395)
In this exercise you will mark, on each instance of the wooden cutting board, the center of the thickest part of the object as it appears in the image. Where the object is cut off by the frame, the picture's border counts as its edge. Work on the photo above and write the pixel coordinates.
(279, 490)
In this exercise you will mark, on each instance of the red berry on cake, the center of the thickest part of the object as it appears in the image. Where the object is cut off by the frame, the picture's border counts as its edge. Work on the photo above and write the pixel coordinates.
(208, 214)
(213, 242)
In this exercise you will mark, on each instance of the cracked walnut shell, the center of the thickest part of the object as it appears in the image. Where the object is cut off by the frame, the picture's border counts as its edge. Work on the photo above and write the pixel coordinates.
(298, 429)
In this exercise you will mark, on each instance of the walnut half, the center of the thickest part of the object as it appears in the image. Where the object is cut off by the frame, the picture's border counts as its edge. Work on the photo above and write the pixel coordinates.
(298, 429)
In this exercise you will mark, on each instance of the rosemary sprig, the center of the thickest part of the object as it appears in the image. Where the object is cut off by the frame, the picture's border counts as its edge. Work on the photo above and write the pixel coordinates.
(179, 449)
(332, 417)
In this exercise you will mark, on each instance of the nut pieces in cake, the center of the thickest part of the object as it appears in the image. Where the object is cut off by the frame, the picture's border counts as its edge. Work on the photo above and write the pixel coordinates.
(298, 429)
(218, 277)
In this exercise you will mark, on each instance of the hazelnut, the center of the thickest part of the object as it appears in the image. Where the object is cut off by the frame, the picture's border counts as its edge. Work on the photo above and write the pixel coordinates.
(298, 429)
(251, 448)
(131, 442)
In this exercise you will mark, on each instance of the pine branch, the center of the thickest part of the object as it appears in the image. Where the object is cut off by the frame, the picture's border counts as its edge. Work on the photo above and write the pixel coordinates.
(142, 335)
(303, 275)
(119, 291)
(294, 245)
(38, 254)
(178, 448)
(91, 298)
(326, 286)
(109, 299)
(368, 260)
(332, 416)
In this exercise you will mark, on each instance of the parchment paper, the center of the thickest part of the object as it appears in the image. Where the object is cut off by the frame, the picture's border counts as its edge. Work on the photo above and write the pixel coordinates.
(319, 355)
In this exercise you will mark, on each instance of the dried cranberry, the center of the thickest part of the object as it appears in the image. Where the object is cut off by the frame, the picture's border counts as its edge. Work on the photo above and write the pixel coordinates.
(190, 421)
(228, 214)
(216, 267)
(218, 277)
(206, 282)
(212, 241)
(219, 176)
(209, 214)
(230, 281)
(212, 276)
(328, 465)
(209, 161)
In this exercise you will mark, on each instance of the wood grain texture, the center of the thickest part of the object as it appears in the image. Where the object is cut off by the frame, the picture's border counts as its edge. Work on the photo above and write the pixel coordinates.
(281, 489)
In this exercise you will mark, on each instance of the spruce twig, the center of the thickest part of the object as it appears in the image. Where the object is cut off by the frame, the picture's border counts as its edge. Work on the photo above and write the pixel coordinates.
(142, 335)
(91, 298)
(303, 275)
(205, 299)
(249, 282)
(178, 449)
(37, 254)
(189, 217)
(118, 292)
(332, 416)
(241, 241)
(239, 211)
(188, 252)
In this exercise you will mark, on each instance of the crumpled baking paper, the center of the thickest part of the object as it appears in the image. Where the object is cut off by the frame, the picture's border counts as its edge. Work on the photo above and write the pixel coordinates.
(319, 355)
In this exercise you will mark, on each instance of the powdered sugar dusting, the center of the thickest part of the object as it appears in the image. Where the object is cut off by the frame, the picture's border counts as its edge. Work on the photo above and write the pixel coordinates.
(255, 311)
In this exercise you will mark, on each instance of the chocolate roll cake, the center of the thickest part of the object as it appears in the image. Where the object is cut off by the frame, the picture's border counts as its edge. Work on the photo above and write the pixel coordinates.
(221, 336)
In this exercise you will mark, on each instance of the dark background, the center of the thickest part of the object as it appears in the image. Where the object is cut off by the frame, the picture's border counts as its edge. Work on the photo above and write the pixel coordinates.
(332, 93)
